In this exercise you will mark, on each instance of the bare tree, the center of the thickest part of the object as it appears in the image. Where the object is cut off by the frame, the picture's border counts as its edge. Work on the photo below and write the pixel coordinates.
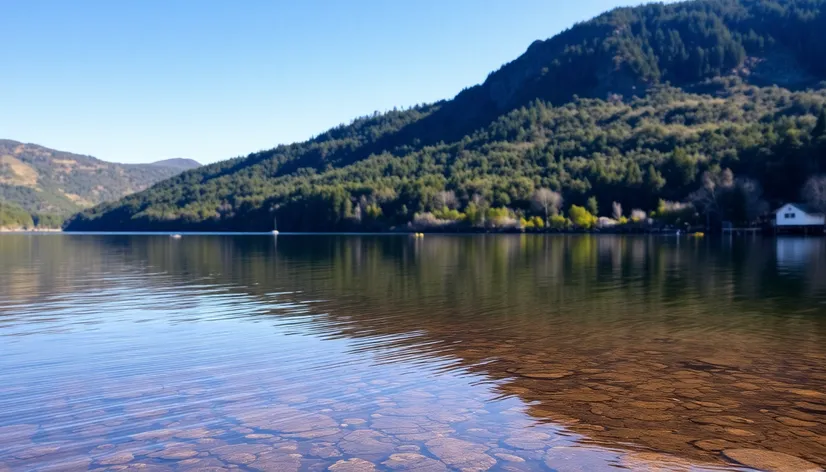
(616, 212)
(814, 192)
(446, 199)
(726, 178)
(709, 198)
(548, 201)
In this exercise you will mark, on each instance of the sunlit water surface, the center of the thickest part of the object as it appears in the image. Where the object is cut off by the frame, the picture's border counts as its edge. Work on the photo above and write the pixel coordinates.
(444, 353)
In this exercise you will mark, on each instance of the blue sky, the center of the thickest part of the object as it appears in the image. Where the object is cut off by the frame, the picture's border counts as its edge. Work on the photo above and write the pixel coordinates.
(142, 80)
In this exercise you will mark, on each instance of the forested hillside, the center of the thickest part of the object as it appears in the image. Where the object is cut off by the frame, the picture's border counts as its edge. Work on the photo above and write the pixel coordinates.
(50, 184)
(709, 106)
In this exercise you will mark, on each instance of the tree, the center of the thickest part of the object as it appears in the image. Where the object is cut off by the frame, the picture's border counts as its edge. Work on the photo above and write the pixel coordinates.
(558, 222)
(681, 168)
(814, 192)
(547, 201)
(709, 198)
(593, 206)
(654, 179)
(616, 211)
(476, 210)
(446, 199)
(581, 217)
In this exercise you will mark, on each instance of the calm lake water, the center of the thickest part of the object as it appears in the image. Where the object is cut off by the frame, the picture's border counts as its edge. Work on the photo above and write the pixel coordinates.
(349, 353)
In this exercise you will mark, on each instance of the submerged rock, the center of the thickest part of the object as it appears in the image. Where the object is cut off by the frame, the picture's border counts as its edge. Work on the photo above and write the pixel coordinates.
(414, 462)
(79, 464)
(788, 421)
(36, 451)
(579, 459)
(462, 455)
(722, 420)
(352, 465)
(530, 440)
(509, 457)
(16, 432)
(287, 420)
(158, 434)
(656, 462)
(770, 461)
(239, 453)
(201, 465)
(325, 450)
(239, 458)
(713, 444)
(365, 441)
(811, 407)
(545, 375)
(277, 462)
(117, 458)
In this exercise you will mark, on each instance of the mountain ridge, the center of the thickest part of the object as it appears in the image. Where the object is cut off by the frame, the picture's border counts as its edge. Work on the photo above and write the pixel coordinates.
(177, 163)
(42, 180)
(671, 83)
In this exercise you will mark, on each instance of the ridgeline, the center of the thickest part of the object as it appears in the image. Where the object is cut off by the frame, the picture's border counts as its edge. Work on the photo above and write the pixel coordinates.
(707, 106)
(47, 185)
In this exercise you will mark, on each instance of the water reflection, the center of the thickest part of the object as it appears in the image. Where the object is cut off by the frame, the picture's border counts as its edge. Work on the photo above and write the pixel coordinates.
(471, 353)
(796, 253)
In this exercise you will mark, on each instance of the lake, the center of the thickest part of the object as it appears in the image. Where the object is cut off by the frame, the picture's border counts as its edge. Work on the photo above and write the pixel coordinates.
(355, 353)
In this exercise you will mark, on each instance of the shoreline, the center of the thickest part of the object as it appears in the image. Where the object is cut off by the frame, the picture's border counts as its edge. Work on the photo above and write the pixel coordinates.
(30, 230)
(368, 233)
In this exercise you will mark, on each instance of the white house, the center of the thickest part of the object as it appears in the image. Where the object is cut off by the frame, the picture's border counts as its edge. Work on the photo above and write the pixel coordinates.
(798, 214)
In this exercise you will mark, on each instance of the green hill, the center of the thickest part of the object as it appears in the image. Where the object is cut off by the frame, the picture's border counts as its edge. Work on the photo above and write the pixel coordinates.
(635, 106)
(54, 184)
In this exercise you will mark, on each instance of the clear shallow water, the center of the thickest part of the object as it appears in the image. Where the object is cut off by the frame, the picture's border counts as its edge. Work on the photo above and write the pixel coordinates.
(448, 353)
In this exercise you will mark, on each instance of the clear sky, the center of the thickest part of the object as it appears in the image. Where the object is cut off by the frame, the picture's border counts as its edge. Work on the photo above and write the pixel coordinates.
(142, 80)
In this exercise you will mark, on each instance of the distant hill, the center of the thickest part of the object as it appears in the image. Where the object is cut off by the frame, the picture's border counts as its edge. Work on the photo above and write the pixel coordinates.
(44, 181)
(177, 163)
(633, 107)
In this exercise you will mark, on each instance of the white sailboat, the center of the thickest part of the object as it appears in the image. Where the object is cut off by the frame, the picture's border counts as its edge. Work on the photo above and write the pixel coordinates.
(274, 226)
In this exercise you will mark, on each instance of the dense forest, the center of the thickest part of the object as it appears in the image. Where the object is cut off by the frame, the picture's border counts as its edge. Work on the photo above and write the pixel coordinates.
(50, 185)
(700, 111)
(16, 218)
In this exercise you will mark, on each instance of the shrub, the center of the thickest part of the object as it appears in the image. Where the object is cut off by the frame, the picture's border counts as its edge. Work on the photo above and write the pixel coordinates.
(559, 222)
(581, 217)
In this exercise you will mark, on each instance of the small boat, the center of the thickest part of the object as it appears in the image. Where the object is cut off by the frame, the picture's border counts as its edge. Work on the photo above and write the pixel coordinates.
(274, 226)
(175, 236)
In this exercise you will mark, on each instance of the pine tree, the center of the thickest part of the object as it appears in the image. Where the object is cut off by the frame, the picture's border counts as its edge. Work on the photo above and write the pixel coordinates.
(593, 206)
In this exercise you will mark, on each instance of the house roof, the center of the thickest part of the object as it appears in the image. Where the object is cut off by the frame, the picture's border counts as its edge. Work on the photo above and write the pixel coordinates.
(802, 207)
